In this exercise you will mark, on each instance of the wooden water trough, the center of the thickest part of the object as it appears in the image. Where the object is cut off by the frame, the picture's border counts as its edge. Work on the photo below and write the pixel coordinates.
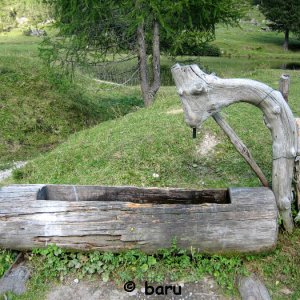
(117, 218)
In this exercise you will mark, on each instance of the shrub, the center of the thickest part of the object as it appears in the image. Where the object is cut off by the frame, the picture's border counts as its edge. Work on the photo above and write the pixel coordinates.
(198, 50)
(7, 257)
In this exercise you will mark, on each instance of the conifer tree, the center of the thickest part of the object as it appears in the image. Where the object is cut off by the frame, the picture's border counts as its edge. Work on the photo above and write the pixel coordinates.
(94, 29)
(284, 15)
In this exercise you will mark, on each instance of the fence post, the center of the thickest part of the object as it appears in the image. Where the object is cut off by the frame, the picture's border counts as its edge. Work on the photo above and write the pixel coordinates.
(284, 83)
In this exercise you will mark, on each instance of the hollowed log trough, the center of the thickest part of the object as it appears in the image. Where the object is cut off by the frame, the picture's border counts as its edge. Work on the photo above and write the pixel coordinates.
(117, 218)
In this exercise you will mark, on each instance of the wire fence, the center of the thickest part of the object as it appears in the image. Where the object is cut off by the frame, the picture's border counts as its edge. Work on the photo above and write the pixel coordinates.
(127, 73)
(123, 69)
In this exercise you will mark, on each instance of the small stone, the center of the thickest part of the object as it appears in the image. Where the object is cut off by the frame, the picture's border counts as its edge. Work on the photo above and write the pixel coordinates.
(252, 288)
(195, 165)
(22, 20)
(37, 32)
(76, 280)
(15, 280)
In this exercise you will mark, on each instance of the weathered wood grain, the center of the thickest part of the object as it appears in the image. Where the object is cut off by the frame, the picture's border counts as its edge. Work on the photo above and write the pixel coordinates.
(113, 219)
(134, 194)
(203, 95)
(297, 165)
(284, 83)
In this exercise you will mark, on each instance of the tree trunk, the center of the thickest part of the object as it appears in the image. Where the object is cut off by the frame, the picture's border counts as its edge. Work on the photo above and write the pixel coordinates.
(155, 60)
(142, 61)
(286, 40)
(149, 90)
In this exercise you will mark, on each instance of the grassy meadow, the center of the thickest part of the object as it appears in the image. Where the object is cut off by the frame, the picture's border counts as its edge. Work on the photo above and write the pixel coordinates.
(86, 132)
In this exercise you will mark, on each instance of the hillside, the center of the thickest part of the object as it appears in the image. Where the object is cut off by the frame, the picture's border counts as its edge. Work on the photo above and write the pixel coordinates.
(156, 140)
(39, 107)
(37, 112)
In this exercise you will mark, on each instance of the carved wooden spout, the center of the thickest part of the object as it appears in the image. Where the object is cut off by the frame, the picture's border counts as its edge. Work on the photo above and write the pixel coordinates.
(203, 95)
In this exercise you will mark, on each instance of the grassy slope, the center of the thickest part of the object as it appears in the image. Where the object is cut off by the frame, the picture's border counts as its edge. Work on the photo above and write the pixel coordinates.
(40, 108)
(130, 149)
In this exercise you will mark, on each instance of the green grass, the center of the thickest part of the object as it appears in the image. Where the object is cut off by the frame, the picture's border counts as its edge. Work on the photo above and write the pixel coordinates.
(6, 259)
(14, 43)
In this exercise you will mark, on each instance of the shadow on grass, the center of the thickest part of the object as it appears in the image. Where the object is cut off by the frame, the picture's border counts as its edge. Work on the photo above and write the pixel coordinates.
(294, 45)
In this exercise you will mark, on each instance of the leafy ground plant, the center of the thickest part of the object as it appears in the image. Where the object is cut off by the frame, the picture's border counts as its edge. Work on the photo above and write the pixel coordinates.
(7, 257)
(171, 264)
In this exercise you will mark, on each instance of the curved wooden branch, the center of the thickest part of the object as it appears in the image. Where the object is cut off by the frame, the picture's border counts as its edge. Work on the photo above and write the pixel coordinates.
(203, 95)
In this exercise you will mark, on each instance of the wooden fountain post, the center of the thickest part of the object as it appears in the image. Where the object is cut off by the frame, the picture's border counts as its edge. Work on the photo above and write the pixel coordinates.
(204, 95)
(297, 166)
(284, 84)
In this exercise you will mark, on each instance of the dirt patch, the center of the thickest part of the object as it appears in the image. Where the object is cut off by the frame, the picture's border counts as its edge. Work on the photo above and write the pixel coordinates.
(175, 111)
(207, 145)
(205, 289)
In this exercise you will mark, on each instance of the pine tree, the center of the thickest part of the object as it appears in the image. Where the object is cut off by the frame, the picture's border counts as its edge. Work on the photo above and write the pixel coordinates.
(284, 15)
(95, 28)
